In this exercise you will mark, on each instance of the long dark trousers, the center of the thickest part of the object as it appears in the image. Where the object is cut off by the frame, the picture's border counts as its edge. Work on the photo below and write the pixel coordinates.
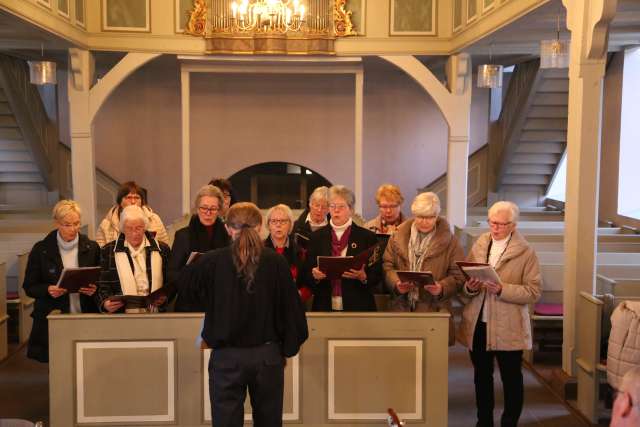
(232, 371)
(510, 366)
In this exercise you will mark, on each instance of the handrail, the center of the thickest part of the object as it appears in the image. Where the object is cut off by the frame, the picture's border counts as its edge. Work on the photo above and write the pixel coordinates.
(100, 174)
(39, 132)
(519, 96)
(443, 177)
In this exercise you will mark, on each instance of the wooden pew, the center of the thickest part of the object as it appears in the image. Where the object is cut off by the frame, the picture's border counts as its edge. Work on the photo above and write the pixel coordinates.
(4, 317)
(590, 371)
(468, 235)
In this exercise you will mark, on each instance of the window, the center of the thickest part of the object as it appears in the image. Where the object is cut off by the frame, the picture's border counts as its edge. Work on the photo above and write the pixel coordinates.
(629, 173)
(558, 187)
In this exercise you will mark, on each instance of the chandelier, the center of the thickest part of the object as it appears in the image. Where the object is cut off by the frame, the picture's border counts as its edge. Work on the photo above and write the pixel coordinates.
(268, 16)
(272, 27)
(554, 53)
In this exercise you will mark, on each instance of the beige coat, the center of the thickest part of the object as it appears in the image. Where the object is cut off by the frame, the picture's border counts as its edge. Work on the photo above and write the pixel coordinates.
(109, 227)
(444, 250)
(623, 352)
(508, 325)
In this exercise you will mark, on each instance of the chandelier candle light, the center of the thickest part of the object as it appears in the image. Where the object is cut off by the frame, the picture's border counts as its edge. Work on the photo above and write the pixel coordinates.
(267, 16)
(554, 53)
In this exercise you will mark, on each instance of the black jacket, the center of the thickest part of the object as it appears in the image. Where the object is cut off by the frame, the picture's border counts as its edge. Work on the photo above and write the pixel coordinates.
(271, 311)
(43, 269)
(301, 225)
(356, 296)
(109, 282)
(193, 238)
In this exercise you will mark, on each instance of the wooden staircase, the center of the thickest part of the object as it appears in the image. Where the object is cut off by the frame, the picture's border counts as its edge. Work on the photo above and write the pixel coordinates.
(21, 183)
(531, 135)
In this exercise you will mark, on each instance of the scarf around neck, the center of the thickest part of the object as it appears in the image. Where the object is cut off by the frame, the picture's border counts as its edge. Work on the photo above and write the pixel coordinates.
(337, 246)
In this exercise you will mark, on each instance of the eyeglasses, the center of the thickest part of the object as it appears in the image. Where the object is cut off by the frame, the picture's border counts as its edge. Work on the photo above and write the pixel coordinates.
(499, 224)
(316, 205)
(226, 194)
(208, 209)
(70, 224)
(278, 221)
(388, 207)
(426, 217)
(136, 229)
(133, 197)
(338, 206)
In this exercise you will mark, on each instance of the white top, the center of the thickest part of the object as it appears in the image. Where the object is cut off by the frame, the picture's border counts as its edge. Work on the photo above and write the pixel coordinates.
(69, 255)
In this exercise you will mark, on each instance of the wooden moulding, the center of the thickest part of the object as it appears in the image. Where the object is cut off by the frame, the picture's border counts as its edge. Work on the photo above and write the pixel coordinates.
(271, 45)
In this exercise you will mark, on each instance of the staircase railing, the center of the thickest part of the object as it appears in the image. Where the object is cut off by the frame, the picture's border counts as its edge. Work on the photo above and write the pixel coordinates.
(38, 131)
(106, 186)
(476, 180)
(503, 141)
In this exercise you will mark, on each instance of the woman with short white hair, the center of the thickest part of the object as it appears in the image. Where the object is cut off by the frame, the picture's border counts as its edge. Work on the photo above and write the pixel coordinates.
(315, 216)
(134, 264)
(62, 248)
(424, 243)
(342, 237)
(495, 319)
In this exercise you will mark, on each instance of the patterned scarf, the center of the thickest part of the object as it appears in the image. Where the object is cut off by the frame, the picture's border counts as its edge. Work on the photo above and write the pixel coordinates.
(337, 246)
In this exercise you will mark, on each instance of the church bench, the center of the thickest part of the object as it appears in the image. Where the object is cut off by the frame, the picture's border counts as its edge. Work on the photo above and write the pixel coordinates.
(590, 315)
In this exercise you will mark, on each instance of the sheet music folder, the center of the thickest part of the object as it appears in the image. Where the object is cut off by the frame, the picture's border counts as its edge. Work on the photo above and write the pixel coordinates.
(72, 279)
(419, 278)
(335, 266)
(478, 270)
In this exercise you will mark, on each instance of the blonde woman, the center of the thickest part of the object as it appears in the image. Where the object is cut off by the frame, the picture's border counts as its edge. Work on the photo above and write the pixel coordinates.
(62, 248)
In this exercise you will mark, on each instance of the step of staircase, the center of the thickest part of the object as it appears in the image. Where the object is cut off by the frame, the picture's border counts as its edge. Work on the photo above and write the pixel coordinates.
(10, 133)
(554, 85)
(543, 159)
(545, 124)
(541, 147)
(521, 179)
(550, 112)
(543, 136)
(525, 169)
(8, 121)
(5, 108)
(20, 177)
(18, 167)
(555, 73)
(12, 145)
(15, 156)
(3, 96)
(550, 99)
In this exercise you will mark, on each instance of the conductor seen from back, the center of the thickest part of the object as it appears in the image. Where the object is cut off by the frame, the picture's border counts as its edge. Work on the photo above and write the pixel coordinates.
(253, 320)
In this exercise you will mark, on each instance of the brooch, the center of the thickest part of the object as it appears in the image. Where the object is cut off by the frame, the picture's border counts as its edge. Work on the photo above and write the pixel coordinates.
(354, 245)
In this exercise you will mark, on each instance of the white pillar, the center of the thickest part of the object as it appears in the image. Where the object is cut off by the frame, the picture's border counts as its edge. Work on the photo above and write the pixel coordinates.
(358, 113)
(185, 87)
(459, 82)
(588, 22)
(457, 171)
(83, 169)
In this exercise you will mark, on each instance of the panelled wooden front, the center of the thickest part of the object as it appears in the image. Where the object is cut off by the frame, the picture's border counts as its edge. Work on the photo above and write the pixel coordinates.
(148, 370)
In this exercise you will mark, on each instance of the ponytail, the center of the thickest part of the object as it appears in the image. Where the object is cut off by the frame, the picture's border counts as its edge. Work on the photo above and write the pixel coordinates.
(247, 246)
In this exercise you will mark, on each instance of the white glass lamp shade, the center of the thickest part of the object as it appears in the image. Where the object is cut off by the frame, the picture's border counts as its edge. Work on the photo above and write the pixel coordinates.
(554, 53)
(490, 76)
(42, 72)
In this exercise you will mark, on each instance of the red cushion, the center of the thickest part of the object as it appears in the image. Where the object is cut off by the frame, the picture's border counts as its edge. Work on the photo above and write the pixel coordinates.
(12, 295)
(548, 309)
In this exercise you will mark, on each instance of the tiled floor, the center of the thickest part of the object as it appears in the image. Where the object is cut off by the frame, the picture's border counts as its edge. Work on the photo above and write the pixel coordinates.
(24, 394)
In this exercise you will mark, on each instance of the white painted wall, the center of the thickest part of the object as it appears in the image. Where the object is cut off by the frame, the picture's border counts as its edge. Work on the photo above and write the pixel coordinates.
(241, 120)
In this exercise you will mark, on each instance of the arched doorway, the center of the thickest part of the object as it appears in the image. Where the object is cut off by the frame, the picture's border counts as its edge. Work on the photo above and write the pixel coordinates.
(270, 183)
